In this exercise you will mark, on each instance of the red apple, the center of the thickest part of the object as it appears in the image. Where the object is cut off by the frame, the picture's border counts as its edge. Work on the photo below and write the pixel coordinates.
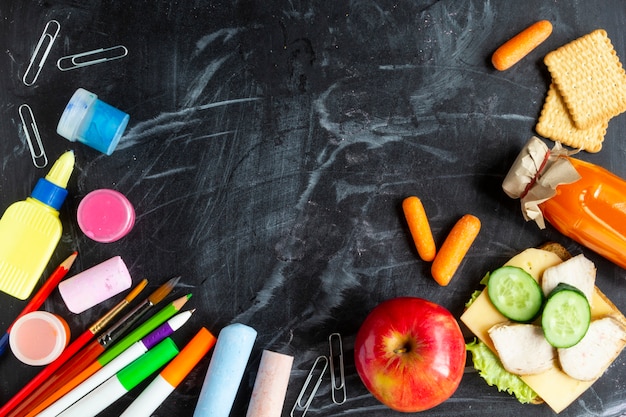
(410, 354)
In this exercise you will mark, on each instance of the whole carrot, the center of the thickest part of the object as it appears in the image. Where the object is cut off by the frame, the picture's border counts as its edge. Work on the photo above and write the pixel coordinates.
(520, 45)
(419, 227)
(455, 248)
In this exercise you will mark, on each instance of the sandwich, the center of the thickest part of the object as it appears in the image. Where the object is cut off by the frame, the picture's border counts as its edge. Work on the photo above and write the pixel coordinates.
(522, 357)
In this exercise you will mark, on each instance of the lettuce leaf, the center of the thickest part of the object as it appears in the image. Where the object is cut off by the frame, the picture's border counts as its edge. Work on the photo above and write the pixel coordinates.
(491, 370)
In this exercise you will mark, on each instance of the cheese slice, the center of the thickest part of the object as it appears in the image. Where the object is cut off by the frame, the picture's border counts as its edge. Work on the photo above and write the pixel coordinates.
(556, 388)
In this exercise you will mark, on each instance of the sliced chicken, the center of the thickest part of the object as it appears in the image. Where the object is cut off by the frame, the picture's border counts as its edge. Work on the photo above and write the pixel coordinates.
(590, 357)
(522, 348)
(578, 272)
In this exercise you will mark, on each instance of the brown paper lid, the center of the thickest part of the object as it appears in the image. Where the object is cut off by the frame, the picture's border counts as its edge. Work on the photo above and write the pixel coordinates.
(536, 173)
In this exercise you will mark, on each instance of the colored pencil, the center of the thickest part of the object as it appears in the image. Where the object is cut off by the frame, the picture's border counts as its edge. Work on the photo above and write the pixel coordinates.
(68, 372)
(57, 275)
(19, 398)
(96, 374)
(94, 349)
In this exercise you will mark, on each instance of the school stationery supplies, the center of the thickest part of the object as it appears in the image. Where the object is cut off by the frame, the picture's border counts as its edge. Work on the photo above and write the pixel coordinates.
(172, 375)
(226, 369)
(91, 121)
(318, 370)
(336, 364)
(48, 36)
(90, 353)
(105, 215)
(152, 323)
(33, 138)
(96, 56)
(39, 337)
(23, 398)
(30, 230)
(125, 380)
(41, 295)
(95, 285)
(270, 385)
(96, 374)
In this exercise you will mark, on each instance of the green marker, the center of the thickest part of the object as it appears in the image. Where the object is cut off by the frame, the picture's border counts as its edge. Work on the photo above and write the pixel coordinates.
(122, 382)
(152, 323)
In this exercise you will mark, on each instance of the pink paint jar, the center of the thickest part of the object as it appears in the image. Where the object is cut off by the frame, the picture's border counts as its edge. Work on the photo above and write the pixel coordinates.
(39, 337)
(105, 215)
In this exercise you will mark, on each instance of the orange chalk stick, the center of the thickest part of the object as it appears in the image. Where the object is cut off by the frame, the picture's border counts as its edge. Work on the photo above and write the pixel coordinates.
(516, 48)
(419, 227)
(454, 249)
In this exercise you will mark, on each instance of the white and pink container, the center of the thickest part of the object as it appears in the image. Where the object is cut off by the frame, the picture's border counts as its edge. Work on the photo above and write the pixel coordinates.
(39, 337)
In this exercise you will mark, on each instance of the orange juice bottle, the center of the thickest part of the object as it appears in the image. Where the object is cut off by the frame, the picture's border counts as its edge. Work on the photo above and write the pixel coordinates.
(581, 200)
(30, 230)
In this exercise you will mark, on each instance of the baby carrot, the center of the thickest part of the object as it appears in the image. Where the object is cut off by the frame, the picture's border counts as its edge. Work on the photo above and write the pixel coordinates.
(419, 227)
(454, 249)
(521, 45)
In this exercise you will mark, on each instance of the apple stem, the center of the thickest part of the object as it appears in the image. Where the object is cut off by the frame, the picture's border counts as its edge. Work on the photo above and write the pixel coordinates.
(403, 349)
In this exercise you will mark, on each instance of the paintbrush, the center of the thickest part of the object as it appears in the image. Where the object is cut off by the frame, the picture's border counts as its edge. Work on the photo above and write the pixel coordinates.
(69, 351)
(93, 350)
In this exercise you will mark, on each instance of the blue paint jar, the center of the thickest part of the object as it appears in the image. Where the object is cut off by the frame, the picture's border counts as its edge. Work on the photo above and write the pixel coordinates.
(91, 121)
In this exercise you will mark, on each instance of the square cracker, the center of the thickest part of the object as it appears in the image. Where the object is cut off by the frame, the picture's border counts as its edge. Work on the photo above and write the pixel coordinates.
(555, 123)
(590, 78)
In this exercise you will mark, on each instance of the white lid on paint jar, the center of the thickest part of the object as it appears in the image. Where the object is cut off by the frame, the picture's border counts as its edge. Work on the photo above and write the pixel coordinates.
(38, 338)
(95, 285)
(77, 109)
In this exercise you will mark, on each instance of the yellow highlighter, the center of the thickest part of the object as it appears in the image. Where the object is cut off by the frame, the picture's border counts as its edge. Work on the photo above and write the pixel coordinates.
(30, 230)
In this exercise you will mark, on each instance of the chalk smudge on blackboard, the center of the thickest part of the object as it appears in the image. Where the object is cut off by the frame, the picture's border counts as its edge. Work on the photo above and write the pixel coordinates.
(370, 125)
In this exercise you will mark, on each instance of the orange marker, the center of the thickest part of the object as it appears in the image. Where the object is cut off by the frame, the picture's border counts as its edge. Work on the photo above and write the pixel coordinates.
(172, 375)
(520, 45)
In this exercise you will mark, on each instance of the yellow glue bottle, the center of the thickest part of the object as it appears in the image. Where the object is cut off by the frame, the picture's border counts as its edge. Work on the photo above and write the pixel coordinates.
(30, 230)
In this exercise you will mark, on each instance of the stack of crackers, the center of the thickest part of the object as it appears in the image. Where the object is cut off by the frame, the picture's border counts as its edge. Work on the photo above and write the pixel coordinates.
(588, 88)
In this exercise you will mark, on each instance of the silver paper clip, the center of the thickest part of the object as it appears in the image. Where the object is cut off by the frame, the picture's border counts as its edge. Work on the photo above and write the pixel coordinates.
(96, 56)
(338, 384)
(305, 407)
(50, 32)
(40, 160)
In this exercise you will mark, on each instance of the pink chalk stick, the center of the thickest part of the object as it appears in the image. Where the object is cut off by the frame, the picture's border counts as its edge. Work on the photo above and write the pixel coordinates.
(95, 285)
(270, 386)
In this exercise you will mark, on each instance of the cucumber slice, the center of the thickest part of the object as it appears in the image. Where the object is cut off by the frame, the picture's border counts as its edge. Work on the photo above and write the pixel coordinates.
(566, 316)
(515, 293)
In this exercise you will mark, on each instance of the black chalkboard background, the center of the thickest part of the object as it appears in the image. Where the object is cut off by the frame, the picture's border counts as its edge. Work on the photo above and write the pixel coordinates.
(269, 148)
